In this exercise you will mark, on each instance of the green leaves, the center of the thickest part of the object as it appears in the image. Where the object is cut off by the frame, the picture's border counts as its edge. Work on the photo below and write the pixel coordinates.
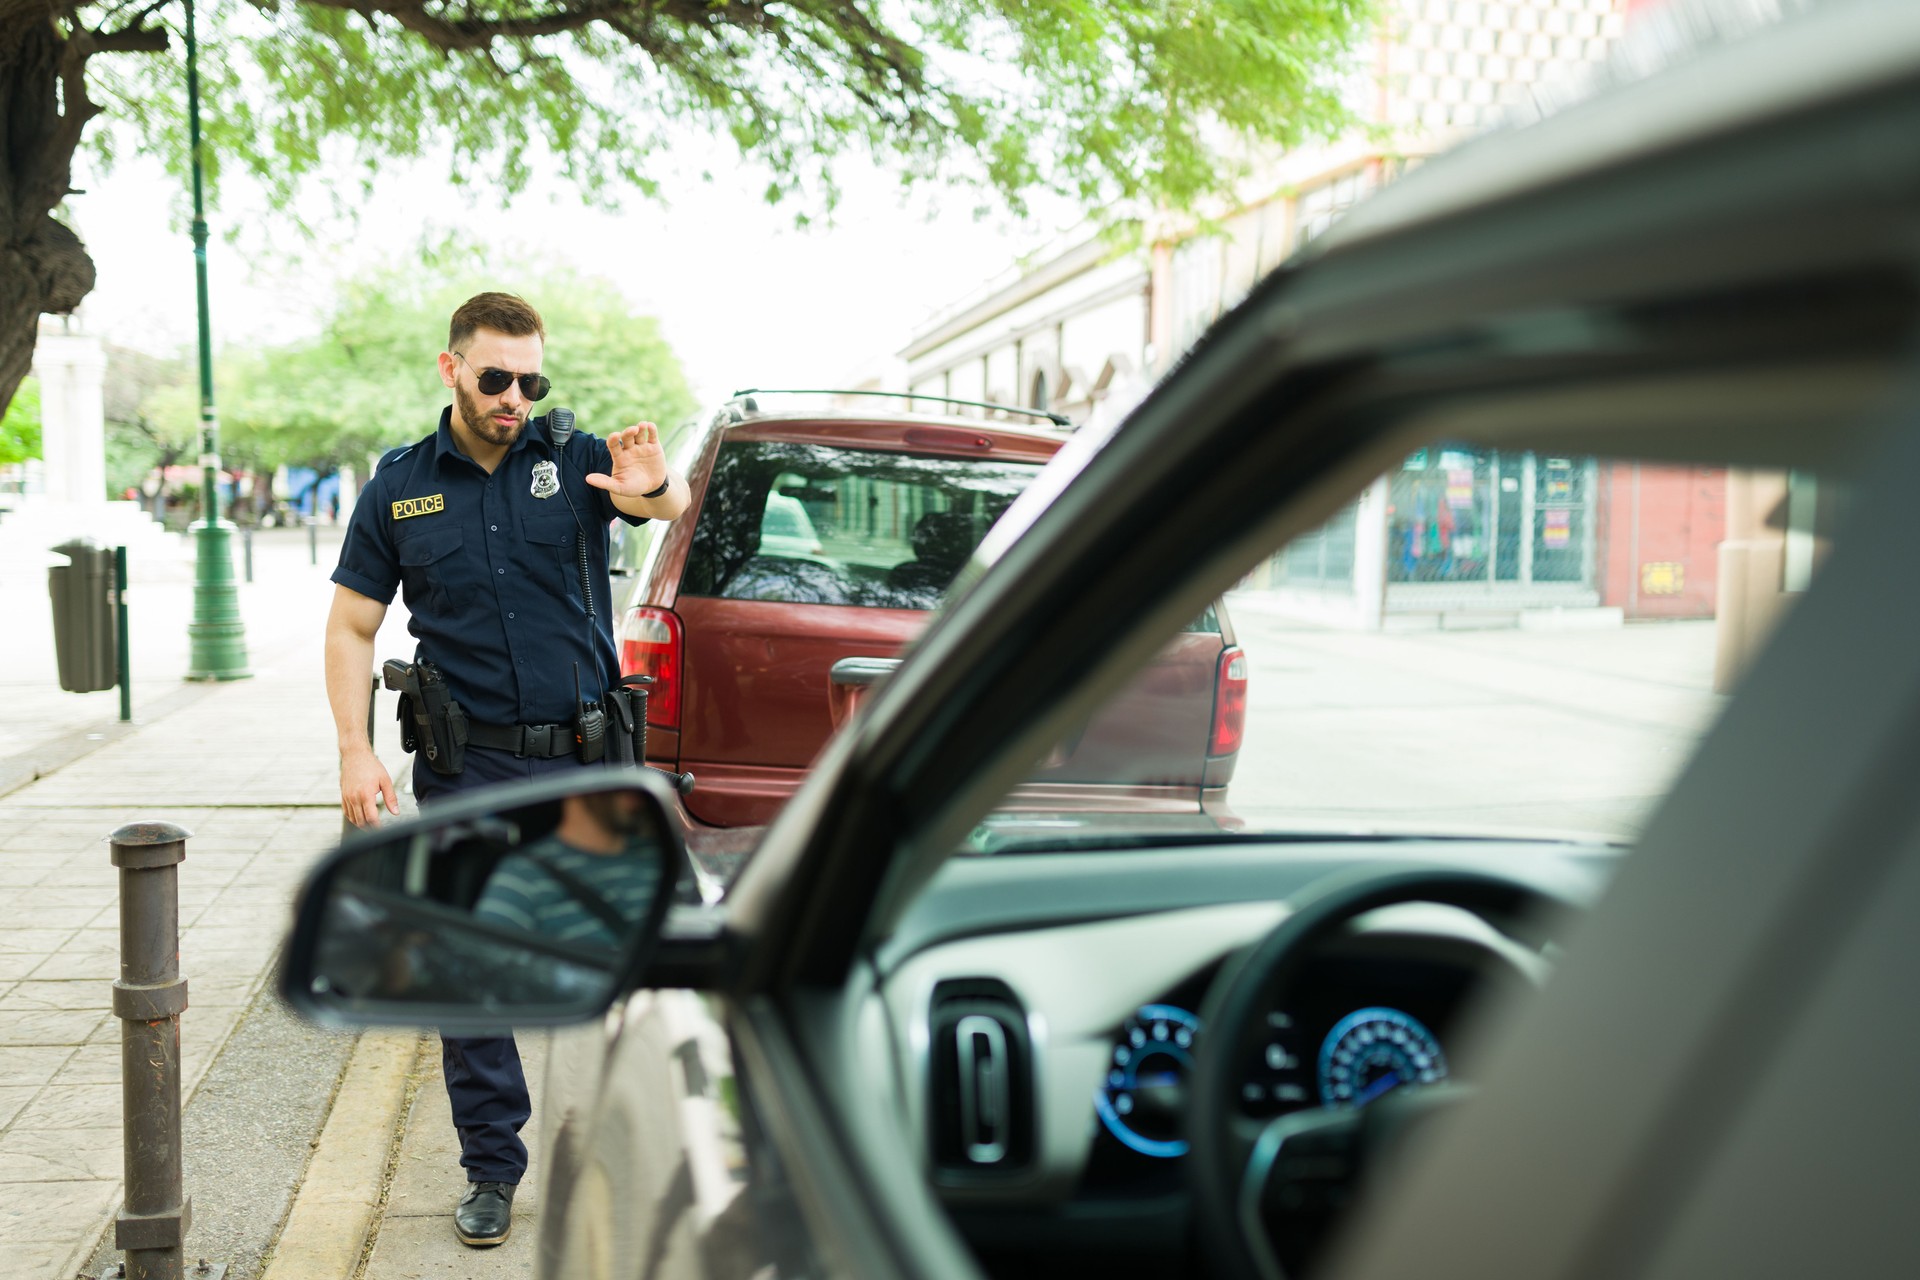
(20, 427)
(1105, 100)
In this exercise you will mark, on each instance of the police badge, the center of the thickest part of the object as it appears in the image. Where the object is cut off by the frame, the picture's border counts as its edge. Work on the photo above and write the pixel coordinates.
(546, 479)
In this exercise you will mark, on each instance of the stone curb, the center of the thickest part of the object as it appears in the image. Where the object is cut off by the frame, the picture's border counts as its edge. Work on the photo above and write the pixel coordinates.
(336, 1204)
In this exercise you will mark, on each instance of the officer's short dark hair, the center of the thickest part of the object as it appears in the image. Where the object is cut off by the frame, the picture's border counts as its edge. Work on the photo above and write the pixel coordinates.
(501, 312)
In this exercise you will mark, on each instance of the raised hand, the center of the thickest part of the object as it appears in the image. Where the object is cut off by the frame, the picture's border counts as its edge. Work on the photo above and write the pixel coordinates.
(639, 463)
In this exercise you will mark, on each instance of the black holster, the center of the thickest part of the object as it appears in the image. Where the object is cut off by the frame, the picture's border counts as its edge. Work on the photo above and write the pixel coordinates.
(626, 708)
(430, 720)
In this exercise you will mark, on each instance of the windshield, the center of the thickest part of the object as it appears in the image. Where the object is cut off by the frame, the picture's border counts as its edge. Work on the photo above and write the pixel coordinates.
(1480, 643)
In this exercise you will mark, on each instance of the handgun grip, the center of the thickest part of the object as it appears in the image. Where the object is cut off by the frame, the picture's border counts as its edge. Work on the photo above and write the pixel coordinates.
(396, 675)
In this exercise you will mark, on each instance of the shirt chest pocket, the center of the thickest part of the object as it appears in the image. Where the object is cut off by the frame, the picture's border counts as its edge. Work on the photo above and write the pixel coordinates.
(552, 544)
(434, 575)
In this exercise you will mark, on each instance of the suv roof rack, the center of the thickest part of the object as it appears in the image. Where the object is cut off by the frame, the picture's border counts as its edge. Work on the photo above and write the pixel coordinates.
(1058, 419)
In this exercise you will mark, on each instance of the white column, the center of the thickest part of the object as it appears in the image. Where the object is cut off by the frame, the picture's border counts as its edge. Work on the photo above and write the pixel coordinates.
(72, 369)
(1370, 556)
(349, 493)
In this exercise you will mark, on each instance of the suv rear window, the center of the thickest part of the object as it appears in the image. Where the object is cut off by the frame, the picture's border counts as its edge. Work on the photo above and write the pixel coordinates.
(816, 524)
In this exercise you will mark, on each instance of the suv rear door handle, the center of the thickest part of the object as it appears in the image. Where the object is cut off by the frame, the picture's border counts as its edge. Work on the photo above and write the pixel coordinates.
(862, 673)
(849, 680)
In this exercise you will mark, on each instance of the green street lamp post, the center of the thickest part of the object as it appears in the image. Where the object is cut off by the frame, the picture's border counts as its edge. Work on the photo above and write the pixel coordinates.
(217, 640)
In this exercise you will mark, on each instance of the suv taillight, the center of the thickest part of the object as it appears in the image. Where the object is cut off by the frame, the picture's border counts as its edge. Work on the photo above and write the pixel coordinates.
(1229, 703)
(652, 644)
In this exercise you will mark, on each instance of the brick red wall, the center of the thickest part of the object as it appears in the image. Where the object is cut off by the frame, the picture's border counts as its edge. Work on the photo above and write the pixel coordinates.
(1682, 518)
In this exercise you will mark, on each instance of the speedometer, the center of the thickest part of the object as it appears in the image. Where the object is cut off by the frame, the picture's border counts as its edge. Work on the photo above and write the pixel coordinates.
(1142, 1099)
(1373, 1051)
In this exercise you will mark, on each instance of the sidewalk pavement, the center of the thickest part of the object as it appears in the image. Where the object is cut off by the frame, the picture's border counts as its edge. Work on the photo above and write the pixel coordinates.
(300, 1158)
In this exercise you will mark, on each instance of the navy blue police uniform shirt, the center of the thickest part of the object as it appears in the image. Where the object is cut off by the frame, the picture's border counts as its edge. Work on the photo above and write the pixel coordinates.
(487, 566)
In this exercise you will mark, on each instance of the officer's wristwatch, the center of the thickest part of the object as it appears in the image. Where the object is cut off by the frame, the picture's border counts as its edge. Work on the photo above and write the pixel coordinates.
(664, 486)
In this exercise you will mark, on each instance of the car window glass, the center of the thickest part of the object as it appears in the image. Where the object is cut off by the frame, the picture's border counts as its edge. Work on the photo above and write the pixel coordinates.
(630, 544)
(1482, 641)
(816, 524)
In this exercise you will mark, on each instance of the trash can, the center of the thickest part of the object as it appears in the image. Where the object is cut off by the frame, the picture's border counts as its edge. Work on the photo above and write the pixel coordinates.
(83, 620)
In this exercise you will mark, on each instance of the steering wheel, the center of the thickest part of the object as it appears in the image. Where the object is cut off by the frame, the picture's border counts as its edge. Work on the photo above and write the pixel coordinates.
(1268, 1192)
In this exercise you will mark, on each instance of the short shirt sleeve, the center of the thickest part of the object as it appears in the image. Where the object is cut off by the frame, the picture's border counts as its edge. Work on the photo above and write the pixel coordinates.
(601, 460)
(367, 561)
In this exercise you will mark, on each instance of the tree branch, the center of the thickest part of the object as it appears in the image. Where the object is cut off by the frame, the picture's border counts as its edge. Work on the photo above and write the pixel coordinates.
(76, 108)
(132, 39)
(116, 15)
(466, 34)
(879, 55)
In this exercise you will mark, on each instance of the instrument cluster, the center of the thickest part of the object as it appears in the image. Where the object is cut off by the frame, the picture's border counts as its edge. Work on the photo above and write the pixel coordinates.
(1352, 1029)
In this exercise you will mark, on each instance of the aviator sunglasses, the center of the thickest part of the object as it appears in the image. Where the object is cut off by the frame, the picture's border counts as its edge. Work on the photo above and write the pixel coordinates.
(492, 382)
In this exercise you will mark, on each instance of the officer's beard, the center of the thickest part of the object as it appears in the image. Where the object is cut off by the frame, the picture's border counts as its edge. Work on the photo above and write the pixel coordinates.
(481, 422)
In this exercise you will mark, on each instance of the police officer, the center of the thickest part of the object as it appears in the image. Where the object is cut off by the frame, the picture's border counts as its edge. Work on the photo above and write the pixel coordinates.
(481, 527)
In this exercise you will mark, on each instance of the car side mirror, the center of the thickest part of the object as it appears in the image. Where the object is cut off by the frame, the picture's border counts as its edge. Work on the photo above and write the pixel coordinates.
(530, 904)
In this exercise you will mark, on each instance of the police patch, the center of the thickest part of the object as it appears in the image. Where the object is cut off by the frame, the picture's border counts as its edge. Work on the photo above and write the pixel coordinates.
(546, 479)
(408, 507)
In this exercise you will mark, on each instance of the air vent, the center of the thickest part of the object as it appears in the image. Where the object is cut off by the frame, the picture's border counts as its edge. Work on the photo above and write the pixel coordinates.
(981, 1081)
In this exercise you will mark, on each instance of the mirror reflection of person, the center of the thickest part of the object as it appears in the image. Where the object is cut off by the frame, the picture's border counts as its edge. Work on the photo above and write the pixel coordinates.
(588, 882)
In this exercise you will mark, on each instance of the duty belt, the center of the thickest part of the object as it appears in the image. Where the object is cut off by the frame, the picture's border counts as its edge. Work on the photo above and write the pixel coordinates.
(540, 741)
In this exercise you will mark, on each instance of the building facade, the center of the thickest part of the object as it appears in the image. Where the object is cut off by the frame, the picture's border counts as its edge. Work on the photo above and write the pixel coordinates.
(1454, 536)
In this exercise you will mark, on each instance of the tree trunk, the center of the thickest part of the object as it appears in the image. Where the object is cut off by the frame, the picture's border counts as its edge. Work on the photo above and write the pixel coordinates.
(44, 269)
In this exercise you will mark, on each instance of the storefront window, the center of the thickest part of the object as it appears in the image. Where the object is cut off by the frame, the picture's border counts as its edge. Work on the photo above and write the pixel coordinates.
(1460, 515)
(1441, 517)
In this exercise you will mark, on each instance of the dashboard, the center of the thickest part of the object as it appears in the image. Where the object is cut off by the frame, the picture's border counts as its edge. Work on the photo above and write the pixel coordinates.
(1044, 1054)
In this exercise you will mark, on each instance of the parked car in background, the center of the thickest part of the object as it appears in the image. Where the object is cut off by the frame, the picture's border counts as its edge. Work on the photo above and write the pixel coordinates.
(819, 543)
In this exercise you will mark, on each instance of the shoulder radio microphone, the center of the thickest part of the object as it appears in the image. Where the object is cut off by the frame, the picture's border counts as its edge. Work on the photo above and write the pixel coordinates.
(560, 426)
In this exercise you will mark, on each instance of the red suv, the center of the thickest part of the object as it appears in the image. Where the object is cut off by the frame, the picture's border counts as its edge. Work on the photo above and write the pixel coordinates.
(816, 548)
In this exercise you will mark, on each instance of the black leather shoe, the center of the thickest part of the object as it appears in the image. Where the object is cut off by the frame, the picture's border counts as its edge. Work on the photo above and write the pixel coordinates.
(485, 1215)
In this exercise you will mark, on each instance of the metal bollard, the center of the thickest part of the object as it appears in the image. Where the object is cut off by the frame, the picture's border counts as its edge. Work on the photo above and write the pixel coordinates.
(246, 545)
(148, 999)
(313, 539)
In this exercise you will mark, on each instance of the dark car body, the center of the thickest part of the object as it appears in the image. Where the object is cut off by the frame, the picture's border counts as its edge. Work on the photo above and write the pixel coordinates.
(817, 547)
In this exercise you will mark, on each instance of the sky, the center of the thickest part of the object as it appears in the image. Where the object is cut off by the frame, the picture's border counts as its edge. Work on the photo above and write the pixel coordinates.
(744, 297)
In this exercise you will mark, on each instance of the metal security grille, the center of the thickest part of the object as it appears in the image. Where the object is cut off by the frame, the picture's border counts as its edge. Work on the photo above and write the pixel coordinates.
(1475, 517)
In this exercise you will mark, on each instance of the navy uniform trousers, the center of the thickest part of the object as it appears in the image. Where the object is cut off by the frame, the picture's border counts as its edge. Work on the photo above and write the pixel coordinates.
(485, 1083)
